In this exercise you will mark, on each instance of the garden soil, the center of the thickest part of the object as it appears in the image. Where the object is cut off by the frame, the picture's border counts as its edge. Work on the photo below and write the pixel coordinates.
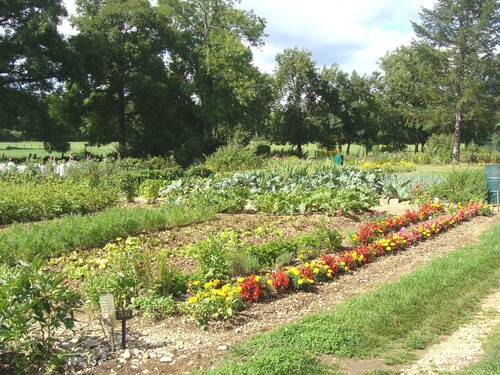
(177, 345)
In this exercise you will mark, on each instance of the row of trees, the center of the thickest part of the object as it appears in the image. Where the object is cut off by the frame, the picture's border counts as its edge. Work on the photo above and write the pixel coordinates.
(178, 77)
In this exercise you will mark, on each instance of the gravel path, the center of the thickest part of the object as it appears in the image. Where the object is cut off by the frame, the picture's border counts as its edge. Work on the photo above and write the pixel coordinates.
(463, 347)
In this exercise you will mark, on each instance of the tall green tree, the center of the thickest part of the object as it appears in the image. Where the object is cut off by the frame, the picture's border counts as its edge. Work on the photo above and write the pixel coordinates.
(121, 81)
(329, 124)
(297, 97)
(356, 109)
(213, 50)
(32, 59)
(465, 35)
(403, 98)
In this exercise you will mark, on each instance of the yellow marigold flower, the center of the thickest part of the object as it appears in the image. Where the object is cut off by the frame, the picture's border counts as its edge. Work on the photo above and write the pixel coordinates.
(241, 279)
(300, 281)
(192, 299)
(257, 278)
(388, 248)
(294, 271)
(269, 282)
(316, 270)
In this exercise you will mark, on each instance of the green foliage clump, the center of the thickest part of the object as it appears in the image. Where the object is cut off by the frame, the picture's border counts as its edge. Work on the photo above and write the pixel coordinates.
(149, 190)
(440, 147)
(322, 238)
(479, 154)
(233, 157)
(262, 149)
(213, 258)
(243, 263)
(34, 303)
(267, 252)
(55, 237)
(461, 185)
(53, 197)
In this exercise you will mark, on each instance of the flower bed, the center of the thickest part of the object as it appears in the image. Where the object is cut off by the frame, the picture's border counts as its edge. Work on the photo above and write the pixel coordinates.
(255, 288)
(368, 231)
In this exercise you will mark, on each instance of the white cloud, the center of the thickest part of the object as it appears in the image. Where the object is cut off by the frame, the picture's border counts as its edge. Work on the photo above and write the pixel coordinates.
(352, 33)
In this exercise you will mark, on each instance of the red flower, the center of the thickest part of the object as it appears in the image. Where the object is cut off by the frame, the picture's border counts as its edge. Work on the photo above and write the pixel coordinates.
(280, 281)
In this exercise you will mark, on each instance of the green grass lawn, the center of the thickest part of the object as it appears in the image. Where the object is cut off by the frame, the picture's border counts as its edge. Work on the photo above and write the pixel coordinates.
(391, 322)
(23, 149)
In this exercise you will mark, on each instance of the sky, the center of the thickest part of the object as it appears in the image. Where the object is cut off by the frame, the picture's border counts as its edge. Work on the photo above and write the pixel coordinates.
(354, 34)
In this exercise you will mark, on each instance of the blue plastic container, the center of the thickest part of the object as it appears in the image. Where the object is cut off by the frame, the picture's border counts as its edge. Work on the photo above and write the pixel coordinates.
(493, 181)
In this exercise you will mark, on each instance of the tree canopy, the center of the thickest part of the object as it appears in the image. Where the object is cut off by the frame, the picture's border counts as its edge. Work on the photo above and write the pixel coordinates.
(177, 77)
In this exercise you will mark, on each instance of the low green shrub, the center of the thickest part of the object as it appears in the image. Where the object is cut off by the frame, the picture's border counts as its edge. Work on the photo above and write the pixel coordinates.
(150, 189)
(262, 149)
(322, 238)
(34, 303)
(242, 263)
(213, 258)
(233, 157)
(267, 253)
(464, 184)
(153, 305)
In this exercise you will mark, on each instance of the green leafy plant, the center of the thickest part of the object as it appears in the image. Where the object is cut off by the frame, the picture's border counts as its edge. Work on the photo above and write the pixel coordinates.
(322, 238)
(464, 184)
(243, 263)
(212, 257)
(153, 305)
(233, 157)
(150, 190)
(168, 280)
(34, 303)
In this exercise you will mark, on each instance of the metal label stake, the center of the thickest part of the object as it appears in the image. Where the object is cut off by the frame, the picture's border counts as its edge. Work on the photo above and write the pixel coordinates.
(124, 315)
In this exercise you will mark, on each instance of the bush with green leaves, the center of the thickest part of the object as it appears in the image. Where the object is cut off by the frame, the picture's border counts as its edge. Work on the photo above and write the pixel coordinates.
(153, 305)
(463, 184)
(322, 238)
(34, 303)
(212, 256)
(440, 147)
(233, 157)
(267, 252)
(150, 189)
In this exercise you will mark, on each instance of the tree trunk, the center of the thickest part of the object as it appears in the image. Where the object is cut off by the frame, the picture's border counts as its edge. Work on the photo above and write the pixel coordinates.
(456, 136)
(415, 148)
(299, 149)
(122, 129)
(348, 149)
